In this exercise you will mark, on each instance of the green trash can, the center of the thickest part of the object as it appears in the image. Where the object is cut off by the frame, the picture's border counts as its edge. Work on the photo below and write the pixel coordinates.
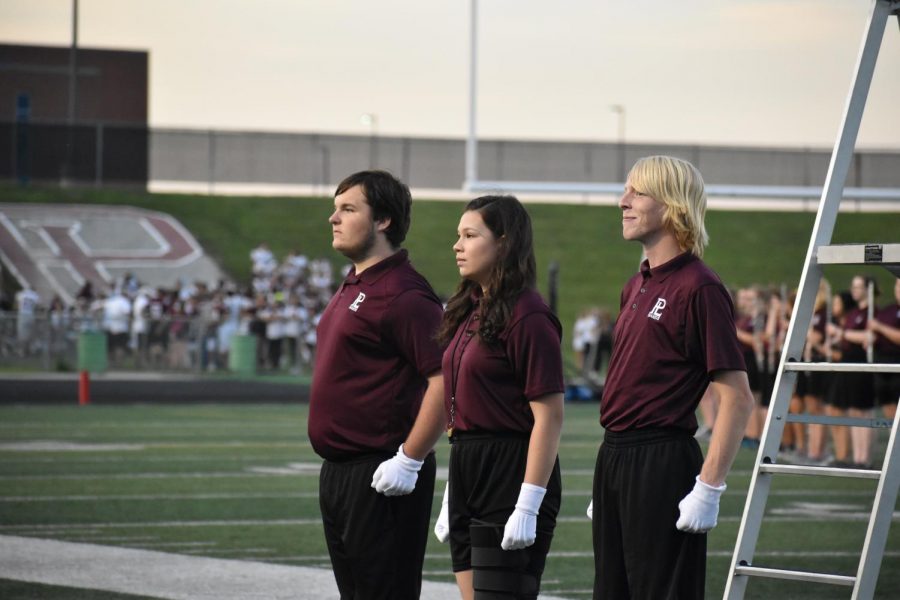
(242, 356)
(92, 351)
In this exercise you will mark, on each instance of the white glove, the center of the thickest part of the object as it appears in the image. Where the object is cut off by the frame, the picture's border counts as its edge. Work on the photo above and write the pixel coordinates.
(521, 528)
(700, 509)
(397, 476)
(442, 527)
(590, 510)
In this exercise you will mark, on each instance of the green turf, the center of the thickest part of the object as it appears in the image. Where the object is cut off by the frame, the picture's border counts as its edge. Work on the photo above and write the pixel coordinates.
(238, 481)
(745, 247)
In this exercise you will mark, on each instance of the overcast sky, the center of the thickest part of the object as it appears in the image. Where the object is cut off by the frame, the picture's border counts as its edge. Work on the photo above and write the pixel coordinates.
(745, 72)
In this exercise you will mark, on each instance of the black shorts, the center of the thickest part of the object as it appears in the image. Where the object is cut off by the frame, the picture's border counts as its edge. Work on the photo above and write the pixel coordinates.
(640, 478)
(887, 388)
(752, 370)
(817, 383)
(851, 390)
(887, 385)
(376, 543)
(767, 383)
(486, 474)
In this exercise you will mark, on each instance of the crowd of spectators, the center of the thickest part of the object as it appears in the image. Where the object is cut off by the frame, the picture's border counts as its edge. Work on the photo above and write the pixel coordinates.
(847, 326)
(189, 326)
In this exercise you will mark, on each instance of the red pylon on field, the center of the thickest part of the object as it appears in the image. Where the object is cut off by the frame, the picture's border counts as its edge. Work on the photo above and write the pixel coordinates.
(84, 388)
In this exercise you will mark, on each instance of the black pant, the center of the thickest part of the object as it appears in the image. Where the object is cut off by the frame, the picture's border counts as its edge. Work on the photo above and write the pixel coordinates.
(640, 478)
(376, 543)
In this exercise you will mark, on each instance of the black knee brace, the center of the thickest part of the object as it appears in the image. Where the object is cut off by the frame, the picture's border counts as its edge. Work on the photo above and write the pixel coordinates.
(499, 574)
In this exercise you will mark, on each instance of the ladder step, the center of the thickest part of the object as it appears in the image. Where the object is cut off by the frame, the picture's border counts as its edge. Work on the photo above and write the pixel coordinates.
(796, 575)
(859, 254)
(846, 421)
(842, 367)
(820, 471)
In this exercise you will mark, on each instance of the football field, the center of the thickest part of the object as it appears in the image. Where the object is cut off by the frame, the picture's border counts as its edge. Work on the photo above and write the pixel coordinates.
(239, 482)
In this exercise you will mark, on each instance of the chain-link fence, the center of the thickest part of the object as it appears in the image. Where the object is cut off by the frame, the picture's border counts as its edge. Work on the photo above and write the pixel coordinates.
(63, 341)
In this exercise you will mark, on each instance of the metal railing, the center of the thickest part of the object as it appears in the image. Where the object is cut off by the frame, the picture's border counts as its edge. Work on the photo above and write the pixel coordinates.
(50, 342)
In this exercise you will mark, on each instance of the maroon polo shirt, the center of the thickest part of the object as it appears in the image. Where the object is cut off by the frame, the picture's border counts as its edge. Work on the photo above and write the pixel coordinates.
(885, 348)
(675, 328)
(493, 384)
(818, 322)
(375, 349)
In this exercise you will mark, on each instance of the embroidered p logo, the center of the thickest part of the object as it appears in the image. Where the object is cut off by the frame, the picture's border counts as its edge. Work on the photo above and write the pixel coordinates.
(656, 313)
(359, 300)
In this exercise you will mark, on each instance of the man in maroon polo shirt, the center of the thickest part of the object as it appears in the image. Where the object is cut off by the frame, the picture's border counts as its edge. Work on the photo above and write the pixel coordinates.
(654, 496)
(376, 359)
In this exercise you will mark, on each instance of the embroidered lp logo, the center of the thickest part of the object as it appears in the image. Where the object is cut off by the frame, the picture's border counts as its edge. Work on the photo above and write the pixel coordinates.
(359, 300)
(656, 313)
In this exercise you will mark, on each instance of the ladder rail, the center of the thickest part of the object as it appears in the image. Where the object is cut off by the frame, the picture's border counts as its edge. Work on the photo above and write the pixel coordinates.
(797, 575)
(823, 229)
(873, 423)
(880, 520)
(843, 367)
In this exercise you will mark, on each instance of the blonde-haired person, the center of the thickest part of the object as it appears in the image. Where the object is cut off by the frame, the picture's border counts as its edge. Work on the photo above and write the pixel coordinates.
(811, 386)
(654, 495)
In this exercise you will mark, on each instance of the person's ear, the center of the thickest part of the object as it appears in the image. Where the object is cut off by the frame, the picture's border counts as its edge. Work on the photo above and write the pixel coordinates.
(382, 224)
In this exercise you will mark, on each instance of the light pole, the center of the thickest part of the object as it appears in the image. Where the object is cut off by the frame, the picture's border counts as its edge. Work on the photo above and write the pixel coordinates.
(619, 109)
(472, 139)
(67, 170)
(371, 120)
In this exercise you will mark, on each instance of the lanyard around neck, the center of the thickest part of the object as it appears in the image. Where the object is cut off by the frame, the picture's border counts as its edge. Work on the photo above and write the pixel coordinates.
(464, 336)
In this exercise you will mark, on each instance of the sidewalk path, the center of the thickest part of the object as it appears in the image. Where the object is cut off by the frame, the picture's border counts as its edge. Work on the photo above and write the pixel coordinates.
(170, 576)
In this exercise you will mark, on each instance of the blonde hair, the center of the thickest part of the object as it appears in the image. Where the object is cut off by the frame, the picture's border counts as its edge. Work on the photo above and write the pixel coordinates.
(678, 185)
(822, 295)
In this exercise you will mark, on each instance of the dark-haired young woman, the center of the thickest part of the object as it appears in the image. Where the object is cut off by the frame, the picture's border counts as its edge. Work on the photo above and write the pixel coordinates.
(854, 392)
(504, 400)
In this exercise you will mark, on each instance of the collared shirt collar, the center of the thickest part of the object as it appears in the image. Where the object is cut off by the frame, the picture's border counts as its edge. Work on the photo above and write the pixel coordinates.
(377, 271)
(661, 273)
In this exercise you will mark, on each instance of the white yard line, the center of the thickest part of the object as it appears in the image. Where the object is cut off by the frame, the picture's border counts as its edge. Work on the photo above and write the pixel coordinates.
(757, 554)
(167, 497)
(160, 524)
(171, 576)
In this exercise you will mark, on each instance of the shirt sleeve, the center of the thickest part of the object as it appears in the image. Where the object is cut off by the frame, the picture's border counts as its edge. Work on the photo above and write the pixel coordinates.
(533, 349)
(410, 323)
(710, 335)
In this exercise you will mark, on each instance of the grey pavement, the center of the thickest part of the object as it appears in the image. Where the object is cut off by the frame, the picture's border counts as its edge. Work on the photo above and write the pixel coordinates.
(171, 576)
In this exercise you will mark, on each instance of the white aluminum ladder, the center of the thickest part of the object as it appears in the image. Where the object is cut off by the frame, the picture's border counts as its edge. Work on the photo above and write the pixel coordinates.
(820, 252)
